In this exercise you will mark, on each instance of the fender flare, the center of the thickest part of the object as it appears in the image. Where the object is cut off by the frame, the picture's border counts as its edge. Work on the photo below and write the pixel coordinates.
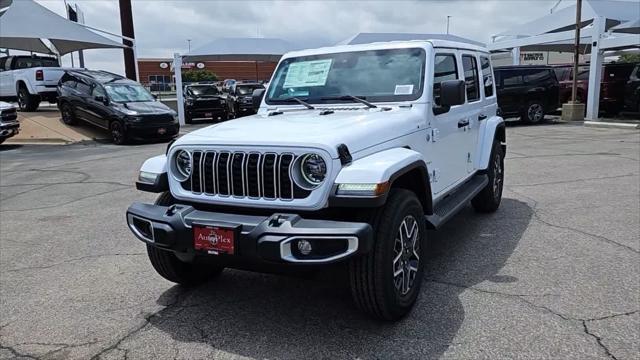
(387, 166)
(26, 84)
(494, 130)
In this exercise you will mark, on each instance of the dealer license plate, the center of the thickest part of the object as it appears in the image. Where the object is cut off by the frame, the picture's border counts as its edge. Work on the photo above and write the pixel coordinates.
(214, 239)
(162, 131)
(208, 114)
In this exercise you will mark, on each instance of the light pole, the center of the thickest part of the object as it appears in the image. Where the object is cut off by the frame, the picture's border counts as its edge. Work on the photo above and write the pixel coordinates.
(448, 17)
(189, 44)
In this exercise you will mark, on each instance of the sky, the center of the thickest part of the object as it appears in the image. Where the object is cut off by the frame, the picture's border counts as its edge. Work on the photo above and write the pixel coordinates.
(163, 27)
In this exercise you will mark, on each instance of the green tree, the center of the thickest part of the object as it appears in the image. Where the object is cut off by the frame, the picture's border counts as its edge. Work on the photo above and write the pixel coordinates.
(628, 58)
(198, 75)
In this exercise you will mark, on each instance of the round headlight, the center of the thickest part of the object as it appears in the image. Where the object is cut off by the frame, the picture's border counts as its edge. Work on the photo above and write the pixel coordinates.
(183, 163)
(313, 170)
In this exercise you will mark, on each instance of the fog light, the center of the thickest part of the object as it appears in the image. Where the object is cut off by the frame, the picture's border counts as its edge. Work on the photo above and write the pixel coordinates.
(304, 247)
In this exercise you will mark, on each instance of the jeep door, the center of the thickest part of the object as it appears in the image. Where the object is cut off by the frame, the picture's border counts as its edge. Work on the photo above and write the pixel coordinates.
(447, 150)
(473, 110)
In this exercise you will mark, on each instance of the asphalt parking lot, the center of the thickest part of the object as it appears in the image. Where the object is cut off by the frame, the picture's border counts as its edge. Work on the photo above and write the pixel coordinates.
(553, 274)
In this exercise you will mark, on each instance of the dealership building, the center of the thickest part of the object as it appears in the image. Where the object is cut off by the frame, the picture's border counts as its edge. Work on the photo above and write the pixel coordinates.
(158, 74)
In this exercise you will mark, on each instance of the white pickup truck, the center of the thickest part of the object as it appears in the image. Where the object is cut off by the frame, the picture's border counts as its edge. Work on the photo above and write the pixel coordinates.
(29, 79)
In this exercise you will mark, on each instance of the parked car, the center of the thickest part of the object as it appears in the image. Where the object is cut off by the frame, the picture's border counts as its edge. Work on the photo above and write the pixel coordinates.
(112, 102)
(204, 101)
(29, 79)
(527, 91)
(227, 84)
(612, 85)
(632, 90)
(357, 150)
(240, 99)
(564, 74)
(9, 124)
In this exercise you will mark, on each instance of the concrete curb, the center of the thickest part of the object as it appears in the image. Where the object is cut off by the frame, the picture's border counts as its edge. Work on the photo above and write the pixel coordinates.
(47, 141)
(614, 125)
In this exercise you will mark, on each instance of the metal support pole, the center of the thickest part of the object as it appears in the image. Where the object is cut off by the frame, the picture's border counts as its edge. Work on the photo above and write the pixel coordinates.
(177, 68)
(135, 59)
(126, 25)
(595, 69)
(576, 53)
(515, 55)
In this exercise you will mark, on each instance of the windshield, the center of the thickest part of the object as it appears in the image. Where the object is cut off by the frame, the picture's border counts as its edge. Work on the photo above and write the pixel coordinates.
(128, 93)
(374, 75)
(204, 90)
(247, 89)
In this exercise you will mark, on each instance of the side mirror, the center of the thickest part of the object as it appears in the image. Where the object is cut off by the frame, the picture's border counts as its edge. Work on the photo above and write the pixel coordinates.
(102, 99)
(256, 98)
(452, 92)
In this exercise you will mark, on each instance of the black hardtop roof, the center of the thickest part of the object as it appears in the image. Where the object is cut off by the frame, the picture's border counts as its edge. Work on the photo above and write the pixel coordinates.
(101, 76)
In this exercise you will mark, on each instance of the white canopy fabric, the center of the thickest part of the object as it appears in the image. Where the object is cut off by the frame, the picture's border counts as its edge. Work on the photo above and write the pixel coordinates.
(367, 38)
(629, 27)
(25, 23)
(241, 49)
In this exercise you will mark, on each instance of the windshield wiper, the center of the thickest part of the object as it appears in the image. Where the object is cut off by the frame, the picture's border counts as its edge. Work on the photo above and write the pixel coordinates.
(360, 99)
(298, 100)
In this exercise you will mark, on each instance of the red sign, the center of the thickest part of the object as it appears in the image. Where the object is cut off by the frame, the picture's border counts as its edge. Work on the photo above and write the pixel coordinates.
(214, 239)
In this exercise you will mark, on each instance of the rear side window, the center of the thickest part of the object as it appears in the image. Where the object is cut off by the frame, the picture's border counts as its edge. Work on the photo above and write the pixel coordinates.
(29, 62)
(470, 68)
(511, 78)
(537, 76)
(444, 68)
(487, 76)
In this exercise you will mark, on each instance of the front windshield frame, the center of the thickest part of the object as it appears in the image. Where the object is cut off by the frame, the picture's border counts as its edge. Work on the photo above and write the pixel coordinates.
(279, 76)
(143, 91)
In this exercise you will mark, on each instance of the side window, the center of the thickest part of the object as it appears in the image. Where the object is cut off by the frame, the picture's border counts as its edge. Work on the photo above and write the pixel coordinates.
(470, 67)
(487, 76)
(511, 78)
(98, 91)
(536, 76)
(83, 88)
(3, 60)
(68, 81)
(444, 68)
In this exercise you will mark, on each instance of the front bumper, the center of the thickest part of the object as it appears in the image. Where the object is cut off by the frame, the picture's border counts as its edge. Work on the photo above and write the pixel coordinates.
(152, 131)
(260, 240)
(8, 130)
(202, 112)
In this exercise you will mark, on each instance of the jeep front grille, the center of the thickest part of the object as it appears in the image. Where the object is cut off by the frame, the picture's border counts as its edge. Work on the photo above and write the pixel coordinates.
(243, 174)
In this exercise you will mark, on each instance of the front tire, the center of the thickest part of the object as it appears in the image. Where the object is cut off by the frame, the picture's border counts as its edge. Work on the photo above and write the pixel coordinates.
(386, 282)
(488, 200)
(533, 113)
(68, 114)
(118, 132)
(170, 267)
(26, 101)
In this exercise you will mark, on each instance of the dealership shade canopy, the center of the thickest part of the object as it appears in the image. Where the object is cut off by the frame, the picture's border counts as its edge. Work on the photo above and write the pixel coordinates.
(556, 32)
(241, 49)
(24, 25)
(629, 27)
(367, 38)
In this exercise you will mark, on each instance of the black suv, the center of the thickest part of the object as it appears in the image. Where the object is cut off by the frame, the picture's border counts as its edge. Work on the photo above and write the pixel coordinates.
(204, 101)
(527, 91)
(240, 98)
(110, 101)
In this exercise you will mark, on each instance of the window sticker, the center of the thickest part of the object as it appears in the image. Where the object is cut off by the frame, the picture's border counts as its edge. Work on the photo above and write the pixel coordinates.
(403, 90)
(307, 73)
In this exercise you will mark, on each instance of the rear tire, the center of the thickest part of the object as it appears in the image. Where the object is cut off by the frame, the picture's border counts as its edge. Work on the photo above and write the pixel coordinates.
(167, 264)
(26, 101)
(488, 200)
(385, 283)
(533, 113)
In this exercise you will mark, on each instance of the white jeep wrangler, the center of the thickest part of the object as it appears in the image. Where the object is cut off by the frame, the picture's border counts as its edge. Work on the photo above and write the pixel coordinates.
(354, 153)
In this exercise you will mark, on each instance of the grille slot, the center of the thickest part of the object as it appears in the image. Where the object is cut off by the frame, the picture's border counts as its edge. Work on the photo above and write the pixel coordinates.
(244, 175)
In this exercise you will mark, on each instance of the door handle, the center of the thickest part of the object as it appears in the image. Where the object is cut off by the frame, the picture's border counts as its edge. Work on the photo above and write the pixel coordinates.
(482, 117)
(463, 123)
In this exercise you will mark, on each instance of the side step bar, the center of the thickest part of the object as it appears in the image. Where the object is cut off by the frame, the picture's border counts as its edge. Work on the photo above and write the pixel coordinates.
(454, 202)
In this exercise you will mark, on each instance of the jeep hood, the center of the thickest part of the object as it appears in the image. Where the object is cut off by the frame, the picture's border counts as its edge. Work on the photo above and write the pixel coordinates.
(358, 129)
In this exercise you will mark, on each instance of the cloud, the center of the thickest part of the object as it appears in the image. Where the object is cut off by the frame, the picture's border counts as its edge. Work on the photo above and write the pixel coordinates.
(163, 27)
